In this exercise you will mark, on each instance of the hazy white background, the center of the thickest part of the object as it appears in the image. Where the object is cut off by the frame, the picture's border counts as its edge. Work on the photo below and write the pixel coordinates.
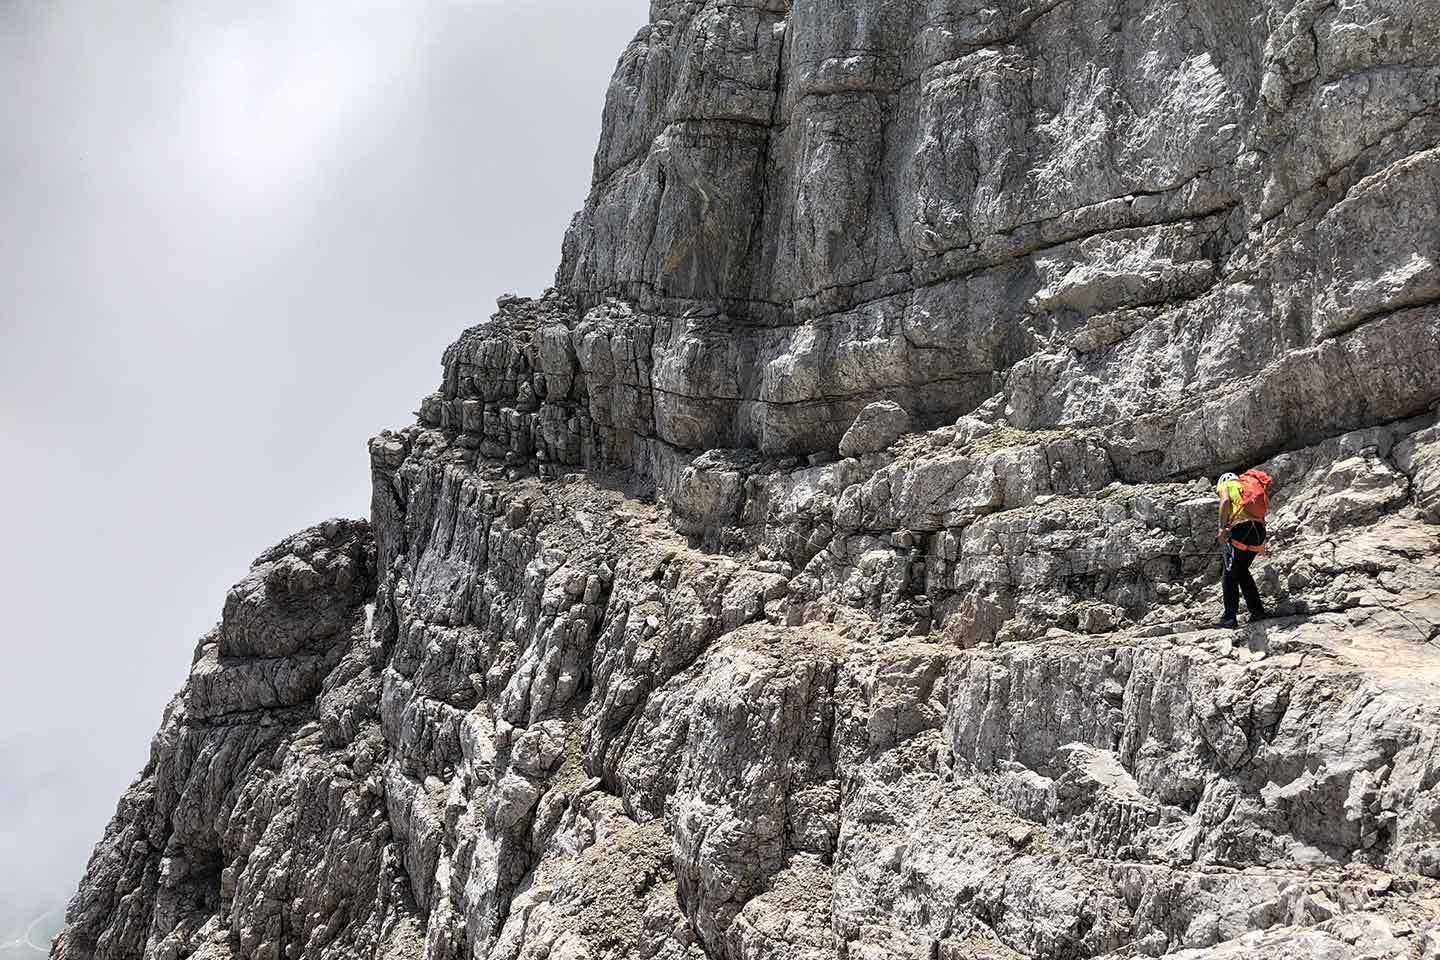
(234, 240)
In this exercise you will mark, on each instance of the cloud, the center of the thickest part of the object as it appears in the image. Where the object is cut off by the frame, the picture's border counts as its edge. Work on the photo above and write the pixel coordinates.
(234, 240)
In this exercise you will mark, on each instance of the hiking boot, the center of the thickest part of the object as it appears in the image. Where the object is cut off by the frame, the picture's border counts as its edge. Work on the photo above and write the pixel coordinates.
(1262, 615)
(1227, 623)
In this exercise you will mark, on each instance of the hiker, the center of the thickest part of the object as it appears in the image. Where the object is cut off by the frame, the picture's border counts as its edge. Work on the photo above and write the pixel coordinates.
(1243, 503)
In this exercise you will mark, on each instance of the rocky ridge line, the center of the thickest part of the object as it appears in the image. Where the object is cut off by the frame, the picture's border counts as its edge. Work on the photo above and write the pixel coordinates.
(824, 567)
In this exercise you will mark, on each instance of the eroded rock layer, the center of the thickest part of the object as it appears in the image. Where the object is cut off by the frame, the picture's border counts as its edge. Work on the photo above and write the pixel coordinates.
(825, 568)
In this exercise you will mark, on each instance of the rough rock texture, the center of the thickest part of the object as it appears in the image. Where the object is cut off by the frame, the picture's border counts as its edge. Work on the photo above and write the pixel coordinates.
(671, 658)
(878, 426)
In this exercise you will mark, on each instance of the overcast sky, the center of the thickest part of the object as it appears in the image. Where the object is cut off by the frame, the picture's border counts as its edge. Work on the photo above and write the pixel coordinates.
(234, 240)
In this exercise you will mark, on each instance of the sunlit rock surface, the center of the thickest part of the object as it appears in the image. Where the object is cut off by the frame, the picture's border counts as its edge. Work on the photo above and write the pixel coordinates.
(825, 567)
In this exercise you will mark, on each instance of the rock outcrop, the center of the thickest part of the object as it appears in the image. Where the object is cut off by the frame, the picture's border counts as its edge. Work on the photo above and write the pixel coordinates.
(826, 568)
(878, 426)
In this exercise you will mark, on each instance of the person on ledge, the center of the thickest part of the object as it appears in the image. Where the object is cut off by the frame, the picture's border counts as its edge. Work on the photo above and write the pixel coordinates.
(1244, 500)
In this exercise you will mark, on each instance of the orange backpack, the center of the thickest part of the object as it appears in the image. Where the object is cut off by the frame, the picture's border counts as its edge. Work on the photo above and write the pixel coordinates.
(1255, 493)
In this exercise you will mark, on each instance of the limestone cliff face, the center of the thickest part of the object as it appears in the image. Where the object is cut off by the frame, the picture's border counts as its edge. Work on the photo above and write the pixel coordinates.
(631, 662)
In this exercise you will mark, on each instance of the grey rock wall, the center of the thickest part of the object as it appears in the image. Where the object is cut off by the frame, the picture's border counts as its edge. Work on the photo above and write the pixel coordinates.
(825, 567)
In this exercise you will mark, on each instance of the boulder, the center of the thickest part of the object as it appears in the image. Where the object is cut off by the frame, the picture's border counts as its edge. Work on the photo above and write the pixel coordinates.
(877, 426)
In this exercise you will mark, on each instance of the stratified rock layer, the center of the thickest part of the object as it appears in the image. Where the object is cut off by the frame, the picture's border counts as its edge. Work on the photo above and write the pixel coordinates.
(825, 568)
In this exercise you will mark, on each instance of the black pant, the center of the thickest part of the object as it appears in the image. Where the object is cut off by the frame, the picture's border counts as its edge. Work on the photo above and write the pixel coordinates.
(1237, 570)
